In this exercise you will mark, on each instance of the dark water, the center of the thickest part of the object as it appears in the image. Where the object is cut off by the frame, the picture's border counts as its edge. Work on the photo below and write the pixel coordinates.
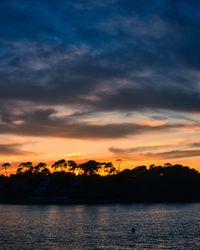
(100, 227)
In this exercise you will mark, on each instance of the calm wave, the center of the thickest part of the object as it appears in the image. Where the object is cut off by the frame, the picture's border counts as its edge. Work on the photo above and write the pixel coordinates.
(100, 227)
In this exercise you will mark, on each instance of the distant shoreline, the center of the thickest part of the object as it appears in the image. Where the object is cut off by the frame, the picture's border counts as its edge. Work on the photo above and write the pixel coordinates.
(158, 184)
(100, 202)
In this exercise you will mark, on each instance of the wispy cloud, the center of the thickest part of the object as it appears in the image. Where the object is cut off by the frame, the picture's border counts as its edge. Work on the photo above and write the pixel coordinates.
(126, 151)
(173, 154)
(44, 122)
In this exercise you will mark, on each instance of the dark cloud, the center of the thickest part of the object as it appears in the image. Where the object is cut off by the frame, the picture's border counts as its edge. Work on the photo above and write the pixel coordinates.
(173, 154)
(138, 153)
(142, 149)
(150, 97)
(126, 151)
(195, 145)
(47, 123)
(12, 149)
(114, 55)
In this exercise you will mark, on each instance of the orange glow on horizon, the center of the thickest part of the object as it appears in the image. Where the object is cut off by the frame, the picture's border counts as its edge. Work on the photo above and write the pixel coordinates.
(123, 164)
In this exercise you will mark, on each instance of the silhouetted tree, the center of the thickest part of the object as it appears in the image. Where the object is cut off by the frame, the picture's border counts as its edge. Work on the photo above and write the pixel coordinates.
(27, 165)
(119, 161)
(152, 166)
(109, 168)
(45, 171)
(39, 167)
(19, 170)
(60, 164)
(5, 167)
(168, 164)
(73, 166)
(90, 167)
(140, 170)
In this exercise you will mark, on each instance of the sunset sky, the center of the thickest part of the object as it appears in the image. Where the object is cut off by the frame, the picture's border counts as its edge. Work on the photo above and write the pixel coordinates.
(100, 79)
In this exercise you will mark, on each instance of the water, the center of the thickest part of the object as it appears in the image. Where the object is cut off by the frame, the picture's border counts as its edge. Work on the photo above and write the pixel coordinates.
(100, 227)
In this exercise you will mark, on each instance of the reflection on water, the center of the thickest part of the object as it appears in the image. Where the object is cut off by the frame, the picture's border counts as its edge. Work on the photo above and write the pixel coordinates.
(100, 227)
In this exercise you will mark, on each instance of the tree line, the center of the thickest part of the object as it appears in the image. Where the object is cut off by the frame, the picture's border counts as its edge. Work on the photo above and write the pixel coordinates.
(90, 167)
(97, 182)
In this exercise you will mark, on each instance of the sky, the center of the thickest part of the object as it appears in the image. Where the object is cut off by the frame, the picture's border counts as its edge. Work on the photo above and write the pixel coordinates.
(100, 79)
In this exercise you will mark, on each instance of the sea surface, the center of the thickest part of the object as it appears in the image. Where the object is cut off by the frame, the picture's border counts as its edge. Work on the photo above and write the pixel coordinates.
(160, 226)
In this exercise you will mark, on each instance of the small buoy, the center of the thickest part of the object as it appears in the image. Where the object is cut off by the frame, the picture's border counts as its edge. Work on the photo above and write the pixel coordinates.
(133, 230)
